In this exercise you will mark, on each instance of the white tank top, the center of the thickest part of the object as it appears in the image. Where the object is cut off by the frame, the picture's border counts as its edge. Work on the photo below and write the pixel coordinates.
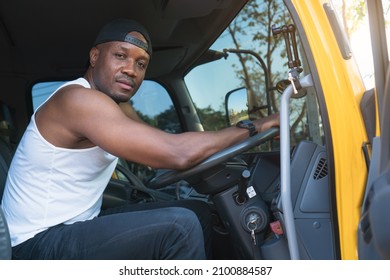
(48, 185)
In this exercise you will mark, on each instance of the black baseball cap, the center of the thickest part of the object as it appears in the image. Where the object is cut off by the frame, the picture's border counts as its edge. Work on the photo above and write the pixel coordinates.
(118, 29)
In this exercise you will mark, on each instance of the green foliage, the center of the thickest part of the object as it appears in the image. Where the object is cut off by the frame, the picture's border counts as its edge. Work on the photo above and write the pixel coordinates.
(211, 119)
(352, 13)
(166, 120)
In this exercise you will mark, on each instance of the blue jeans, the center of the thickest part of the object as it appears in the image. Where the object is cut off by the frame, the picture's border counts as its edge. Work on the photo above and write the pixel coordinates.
(135, 231)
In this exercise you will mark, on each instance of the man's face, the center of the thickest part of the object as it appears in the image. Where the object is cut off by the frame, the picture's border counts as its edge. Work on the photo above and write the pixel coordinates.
(118, 68)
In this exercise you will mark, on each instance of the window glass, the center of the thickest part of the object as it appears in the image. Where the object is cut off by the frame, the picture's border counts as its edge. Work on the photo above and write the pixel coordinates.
(353, 16)
(41, 91)
(152, 103)
(259, 67)
(386, 14)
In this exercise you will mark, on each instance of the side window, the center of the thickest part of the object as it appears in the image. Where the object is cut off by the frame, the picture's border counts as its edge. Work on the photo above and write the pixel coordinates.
(41, 91)
(352, 16)
(253, 59)
(152, 103)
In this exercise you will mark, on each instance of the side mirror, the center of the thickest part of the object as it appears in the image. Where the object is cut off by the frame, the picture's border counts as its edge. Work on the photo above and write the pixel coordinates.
(236, 105)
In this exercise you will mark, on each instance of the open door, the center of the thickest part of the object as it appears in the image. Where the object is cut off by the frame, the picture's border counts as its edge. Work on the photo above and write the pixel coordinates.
(374, 225)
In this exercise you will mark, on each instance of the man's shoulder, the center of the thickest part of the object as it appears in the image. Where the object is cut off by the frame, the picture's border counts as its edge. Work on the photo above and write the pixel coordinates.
(80, 81)
(78, 98)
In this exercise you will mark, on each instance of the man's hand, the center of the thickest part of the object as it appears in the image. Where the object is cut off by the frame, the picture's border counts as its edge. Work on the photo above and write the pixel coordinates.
(267, 122)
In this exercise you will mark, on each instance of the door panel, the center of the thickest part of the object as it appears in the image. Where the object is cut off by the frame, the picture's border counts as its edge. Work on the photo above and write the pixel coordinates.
(374, 225)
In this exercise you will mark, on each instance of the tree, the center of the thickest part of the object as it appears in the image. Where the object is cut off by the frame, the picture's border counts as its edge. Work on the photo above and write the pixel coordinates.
(256, 22)
(352, 14)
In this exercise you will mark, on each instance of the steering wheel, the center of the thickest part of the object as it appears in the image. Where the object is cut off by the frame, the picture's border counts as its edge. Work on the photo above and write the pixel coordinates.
(173, 176)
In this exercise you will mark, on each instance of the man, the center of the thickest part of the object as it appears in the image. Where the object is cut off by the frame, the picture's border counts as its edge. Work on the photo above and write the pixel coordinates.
(66, 157)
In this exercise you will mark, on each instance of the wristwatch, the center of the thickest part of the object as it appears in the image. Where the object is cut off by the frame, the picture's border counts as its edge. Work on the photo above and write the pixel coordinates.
(247, 124)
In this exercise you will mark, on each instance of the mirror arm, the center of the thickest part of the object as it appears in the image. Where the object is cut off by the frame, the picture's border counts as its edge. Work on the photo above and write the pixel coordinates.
(288, 32)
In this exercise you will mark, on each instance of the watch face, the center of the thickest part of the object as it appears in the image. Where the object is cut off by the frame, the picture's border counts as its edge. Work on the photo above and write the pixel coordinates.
(244, 123)
(247, 124)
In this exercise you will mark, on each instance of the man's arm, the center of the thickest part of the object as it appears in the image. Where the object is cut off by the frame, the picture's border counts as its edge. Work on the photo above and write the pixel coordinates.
(158, 149)
(79, 113)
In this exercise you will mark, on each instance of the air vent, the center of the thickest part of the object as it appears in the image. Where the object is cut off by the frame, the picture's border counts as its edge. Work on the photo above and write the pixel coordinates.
(321, 170)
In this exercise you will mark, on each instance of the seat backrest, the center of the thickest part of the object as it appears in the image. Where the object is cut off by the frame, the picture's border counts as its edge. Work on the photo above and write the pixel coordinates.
(5, 241)
(5, 160)
(8, 131)
(7, 143)
(6, 154)
(7, 146)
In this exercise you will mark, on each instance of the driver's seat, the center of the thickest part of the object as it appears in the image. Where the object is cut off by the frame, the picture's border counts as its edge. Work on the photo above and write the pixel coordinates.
(5, 241)
(7, 141)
